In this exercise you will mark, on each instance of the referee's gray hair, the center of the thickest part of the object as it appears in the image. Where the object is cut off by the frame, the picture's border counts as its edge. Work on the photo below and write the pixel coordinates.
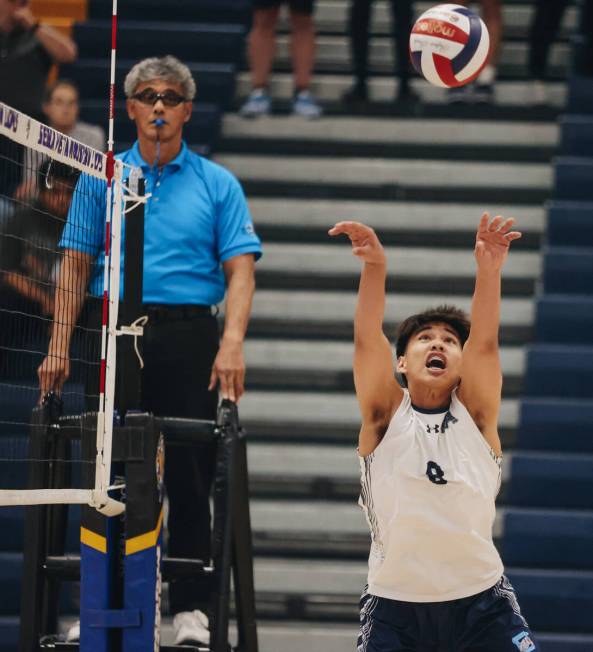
(168, 68)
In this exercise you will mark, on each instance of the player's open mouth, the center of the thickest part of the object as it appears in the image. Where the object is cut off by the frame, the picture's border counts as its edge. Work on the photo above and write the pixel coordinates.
(436, 362)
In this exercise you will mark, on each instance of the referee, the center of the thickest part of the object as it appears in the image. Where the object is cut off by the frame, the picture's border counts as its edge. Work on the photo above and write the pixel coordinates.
(199, 242)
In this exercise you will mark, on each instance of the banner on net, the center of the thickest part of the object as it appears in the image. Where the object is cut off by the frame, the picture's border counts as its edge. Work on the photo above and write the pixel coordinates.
(29, 132)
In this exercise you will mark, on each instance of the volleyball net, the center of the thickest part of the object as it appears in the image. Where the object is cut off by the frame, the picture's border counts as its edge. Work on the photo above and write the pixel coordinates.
(61, 207)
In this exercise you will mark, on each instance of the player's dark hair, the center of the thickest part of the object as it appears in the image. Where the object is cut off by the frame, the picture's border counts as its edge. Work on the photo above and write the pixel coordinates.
(453, 317)
(49, 91)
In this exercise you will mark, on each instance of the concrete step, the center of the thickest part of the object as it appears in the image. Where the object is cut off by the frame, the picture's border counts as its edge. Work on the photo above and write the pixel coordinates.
(421, 269)
(326, 366)
(333, 56)
(331, 87)
(398, 223)
(331, 472)
(394, 131)
(387, 137)
(322, 315)
(553, 599)
(318, 409)
(321, 307)
(331, 356)
(296, 636)
(375, 171)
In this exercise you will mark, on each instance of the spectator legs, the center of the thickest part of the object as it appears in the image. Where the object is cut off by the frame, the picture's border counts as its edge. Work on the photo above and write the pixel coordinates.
(545, 26)
(402, 16)
(302, 49)
(262, 45)
(360, 16)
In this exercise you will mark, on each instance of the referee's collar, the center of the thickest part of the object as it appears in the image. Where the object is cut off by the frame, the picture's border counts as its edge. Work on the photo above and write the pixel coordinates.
(137, 160)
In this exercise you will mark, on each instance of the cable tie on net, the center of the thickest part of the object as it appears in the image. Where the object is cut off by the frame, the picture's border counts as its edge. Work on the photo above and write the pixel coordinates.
(136, 330)
(131, 196)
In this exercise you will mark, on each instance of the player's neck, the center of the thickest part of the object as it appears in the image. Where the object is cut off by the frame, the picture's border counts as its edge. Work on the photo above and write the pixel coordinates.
(168, 150)
(430, 398)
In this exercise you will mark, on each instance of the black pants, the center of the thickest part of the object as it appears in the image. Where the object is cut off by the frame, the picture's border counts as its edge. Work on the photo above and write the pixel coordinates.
(178, 356)
(544, 28)
(178, 353)
(360, 16)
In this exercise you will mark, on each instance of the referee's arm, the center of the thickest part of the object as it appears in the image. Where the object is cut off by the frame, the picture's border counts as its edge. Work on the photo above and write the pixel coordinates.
(229, 365)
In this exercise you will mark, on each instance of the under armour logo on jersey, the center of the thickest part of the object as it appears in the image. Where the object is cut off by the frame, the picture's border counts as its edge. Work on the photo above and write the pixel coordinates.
(430, 429)
(435, 473)
(449, 418)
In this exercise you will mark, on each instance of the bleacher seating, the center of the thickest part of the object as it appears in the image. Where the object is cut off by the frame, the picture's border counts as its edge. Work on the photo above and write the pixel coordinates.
(557, 413)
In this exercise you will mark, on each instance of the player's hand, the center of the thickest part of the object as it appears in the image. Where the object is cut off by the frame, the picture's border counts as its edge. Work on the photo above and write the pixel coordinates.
(228, 370)
(53, 373)
(24, 17)
(493, 240)
(365, 243)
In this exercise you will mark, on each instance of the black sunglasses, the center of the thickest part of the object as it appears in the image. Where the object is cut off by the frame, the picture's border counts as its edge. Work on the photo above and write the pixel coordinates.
(151, 97)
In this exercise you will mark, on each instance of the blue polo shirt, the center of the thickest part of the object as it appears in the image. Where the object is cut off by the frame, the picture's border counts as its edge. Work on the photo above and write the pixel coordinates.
(195, 219)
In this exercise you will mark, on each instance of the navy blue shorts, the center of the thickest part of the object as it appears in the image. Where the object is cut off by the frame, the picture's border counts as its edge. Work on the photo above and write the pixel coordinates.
(490, 621)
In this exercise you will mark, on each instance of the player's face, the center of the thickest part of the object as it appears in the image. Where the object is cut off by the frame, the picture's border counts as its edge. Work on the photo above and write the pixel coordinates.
(145, 108)
(433, 356)
(62, 108)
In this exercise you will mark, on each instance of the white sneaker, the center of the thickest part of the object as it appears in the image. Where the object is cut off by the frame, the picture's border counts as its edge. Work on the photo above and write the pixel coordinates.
(73, 633)
(306, 106)
(258, 103)
(191, 627)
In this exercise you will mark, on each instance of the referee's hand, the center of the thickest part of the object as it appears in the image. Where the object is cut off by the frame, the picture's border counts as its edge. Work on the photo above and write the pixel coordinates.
(228, 370)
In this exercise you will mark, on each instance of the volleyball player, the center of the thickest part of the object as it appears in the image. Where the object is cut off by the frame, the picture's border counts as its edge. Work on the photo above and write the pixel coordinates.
(430, 458)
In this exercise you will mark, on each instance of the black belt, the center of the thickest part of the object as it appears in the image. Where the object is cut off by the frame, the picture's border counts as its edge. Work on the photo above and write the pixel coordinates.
(165, 312)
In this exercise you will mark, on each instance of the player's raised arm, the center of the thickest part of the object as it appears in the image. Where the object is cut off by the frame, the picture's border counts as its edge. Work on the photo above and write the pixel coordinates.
(481, 379)
(377, 391)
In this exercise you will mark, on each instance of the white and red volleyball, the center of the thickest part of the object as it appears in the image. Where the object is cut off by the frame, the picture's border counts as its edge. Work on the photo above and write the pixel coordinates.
(449, 45)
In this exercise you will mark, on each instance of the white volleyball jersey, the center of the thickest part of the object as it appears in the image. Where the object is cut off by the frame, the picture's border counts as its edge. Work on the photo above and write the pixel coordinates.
(428, 492)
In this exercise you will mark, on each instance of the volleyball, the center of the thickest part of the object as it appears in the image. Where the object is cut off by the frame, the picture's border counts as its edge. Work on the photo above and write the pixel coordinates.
(449, 45)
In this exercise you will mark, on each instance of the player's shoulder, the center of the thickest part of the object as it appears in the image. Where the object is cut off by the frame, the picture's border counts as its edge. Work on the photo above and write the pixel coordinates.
(210, 170)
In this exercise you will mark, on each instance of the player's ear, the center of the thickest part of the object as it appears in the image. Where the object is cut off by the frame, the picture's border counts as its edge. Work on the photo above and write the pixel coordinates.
(187, 111)
(130, 108)
(401, 365)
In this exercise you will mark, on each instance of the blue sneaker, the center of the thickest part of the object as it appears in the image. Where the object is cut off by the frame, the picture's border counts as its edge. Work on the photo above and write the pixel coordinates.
(306, 106)
(258, 103)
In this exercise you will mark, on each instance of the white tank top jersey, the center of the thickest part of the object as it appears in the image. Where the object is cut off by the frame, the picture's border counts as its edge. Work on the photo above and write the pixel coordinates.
(428, 492)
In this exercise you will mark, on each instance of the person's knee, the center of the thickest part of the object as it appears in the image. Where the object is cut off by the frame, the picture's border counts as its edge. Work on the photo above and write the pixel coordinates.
(265, 20)
(301, 22)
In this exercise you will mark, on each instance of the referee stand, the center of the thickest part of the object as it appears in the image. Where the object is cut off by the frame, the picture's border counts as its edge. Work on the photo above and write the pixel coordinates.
(120, 567)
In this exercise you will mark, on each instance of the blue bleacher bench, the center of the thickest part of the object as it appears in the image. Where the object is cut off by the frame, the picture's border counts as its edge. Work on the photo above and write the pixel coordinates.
(550, 479)
(235, 11)
(557, 424)
(573, 178)
(557, 539)
(580, 95)
(215, 81)
(564, 318)
(570, 223)
(198, 42)
(568, 270)
(559, 370)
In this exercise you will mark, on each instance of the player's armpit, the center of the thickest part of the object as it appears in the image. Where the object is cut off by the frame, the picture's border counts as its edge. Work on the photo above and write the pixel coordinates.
(377, 390)
(480, 387)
